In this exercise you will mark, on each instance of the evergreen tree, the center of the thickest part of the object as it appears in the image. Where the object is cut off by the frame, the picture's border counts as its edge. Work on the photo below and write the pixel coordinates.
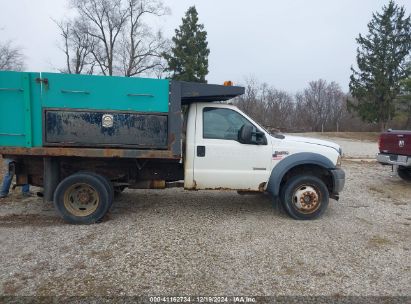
(188, 60)
(404, 99)
(381, 57)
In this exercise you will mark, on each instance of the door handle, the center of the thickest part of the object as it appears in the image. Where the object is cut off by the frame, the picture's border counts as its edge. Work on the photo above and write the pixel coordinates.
(201, 151)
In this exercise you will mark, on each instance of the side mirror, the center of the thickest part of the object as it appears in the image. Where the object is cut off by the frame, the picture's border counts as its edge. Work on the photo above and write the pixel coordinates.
(261, 139)
(245, 135)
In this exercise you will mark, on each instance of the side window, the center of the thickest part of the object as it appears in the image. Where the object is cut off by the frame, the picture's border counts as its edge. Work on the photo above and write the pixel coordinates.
(219, 123)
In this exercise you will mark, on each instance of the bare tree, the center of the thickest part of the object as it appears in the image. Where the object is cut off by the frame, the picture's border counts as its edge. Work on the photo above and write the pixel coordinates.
(78, 47)
(104, 21)
(141, 49)
(321, 106)
(270, 107)
(315, 105)
(159, 71)
(113, 36)
(279, 108)
(251, 102)
(11, 57)
(337, 106)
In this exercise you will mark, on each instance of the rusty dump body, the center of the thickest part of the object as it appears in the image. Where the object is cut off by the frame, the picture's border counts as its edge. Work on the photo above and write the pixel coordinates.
(128, 130)
(78, 131)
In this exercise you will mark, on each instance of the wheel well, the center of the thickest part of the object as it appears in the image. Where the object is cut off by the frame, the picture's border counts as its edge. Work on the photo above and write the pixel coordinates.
(310, 169)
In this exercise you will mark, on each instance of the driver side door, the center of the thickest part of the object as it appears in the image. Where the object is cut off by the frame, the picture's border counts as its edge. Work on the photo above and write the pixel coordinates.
(220, 160)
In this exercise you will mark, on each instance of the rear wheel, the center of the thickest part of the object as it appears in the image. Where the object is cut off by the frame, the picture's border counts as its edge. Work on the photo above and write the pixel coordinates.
(82, 198)
(404, 173)
(107, 183)
(304, 197)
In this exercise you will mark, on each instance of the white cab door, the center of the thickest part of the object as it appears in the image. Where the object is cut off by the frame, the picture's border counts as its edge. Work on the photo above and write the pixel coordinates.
(220, 160)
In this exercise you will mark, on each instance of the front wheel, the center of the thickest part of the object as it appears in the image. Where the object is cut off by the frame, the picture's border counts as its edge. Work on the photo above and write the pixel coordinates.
(404, 173)
(304, 197)
(82, 199)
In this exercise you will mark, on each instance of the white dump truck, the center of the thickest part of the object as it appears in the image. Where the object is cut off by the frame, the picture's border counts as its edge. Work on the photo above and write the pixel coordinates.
(84, 138)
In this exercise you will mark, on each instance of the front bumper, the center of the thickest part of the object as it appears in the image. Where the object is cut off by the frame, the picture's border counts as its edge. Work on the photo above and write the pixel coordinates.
(338, 180)
(394, 159)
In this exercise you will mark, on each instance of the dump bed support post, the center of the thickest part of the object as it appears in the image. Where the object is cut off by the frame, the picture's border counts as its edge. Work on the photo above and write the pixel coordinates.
(175, 122)
(51, 176)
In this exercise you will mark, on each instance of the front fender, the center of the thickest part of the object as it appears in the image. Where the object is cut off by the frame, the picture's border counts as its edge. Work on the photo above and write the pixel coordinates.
(303, 158)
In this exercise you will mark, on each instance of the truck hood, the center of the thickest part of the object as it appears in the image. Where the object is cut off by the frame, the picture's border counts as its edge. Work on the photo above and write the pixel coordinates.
(313, 141)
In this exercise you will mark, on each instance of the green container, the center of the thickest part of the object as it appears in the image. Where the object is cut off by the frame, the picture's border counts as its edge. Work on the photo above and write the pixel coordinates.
(25, 96)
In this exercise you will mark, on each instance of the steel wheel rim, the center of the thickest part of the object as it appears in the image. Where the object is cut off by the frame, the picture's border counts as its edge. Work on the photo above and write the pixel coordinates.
(81, 199)
(306, 199)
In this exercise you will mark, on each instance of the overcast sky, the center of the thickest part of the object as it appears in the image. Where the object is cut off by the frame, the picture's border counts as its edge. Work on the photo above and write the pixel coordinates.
(284, 43)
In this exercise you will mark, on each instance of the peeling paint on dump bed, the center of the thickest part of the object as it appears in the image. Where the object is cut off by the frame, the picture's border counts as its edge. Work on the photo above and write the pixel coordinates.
(81, 128)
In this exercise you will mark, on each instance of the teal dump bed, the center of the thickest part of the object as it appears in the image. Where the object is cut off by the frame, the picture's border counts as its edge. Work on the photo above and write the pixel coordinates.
(27, 99)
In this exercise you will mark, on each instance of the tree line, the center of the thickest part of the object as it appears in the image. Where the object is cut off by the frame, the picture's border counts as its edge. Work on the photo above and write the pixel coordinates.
(114, 37)
(320, 107)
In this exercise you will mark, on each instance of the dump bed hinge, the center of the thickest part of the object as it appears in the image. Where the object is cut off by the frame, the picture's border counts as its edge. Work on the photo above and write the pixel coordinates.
(42, 80)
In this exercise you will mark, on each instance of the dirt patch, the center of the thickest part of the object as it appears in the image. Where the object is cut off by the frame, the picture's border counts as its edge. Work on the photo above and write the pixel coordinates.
(377, 241)
(31, 220)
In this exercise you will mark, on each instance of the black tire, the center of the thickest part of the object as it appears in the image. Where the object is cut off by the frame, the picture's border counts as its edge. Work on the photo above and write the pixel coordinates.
(106, 182)
(304, 197)
(82, 198)
(404, 173)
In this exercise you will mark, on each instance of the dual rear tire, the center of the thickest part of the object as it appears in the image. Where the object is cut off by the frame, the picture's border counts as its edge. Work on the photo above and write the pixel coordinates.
(83, 198)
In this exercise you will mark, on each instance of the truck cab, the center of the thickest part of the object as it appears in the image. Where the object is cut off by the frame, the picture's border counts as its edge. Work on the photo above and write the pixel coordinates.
(226, 149)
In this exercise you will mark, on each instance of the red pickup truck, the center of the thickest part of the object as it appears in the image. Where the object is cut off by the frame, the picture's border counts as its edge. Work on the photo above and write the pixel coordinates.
(395, 149)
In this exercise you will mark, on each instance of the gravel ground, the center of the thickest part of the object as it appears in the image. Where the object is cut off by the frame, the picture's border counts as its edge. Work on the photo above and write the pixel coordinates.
(174, 242)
